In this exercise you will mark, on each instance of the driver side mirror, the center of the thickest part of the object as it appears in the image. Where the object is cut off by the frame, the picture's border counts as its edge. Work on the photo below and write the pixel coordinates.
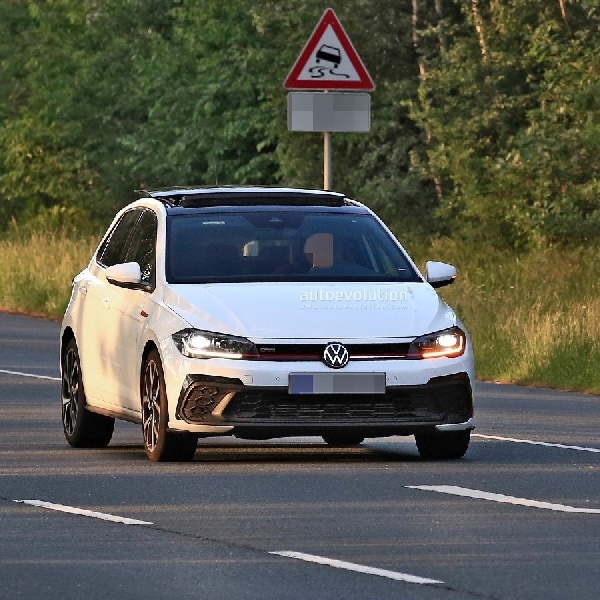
(439, 274)
(127, 275)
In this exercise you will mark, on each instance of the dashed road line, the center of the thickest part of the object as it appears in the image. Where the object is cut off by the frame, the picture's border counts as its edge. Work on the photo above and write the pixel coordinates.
(479, 494)
(348, 566)
(534, 443)
(322, 560)
(30, 375)
(86, 513)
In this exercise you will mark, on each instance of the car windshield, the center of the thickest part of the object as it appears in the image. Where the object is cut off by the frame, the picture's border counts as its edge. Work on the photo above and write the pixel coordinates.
(282, 245)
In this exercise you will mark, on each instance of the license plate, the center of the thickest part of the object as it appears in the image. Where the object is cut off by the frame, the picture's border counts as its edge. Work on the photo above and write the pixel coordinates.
(336, 383)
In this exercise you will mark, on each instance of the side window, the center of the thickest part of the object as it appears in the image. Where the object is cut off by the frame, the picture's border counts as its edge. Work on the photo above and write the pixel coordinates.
(142, 248)
(115, 246)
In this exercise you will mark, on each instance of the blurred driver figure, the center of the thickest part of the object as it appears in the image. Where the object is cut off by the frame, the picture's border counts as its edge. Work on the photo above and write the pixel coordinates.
(318, 250)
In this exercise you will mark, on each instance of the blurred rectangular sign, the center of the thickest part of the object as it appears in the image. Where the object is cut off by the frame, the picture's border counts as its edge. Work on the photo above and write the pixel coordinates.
(320, 111)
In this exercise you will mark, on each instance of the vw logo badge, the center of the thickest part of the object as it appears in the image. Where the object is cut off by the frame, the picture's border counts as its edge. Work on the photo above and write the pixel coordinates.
(335, 355)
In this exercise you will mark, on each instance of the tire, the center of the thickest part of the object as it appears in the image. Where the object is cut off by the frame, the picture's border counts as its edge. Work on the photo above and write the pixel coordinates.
(82, 428)
(343, 439)
(160, 444)
(443, 445)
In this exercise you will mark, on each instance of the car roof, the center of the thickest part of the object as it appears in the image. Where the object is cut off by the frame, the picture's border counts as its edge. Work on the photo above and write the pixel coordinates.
(200, 197)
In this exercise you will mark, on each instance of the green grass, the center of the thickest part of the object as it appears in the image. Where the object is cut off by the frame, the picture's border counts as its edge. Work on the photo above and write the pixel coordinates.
(36, 271)
(534, 318)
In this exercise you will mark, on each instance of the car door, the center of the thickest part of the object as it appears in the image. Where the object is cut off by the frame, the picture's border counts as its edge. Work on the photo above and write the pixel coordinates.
(131, 309)
(101, 341)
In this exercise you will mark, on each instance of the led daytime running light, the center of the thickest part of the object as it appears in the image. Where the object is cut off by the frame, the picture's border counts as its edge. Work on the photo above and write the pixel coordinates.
(449, 343)
(449, 351)
(206, 344)
(204, 350)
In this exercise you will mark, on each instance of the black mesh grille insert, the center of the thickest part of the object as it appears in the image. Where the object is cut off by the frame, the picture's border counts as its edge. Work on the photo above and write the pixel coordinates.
(448, 404)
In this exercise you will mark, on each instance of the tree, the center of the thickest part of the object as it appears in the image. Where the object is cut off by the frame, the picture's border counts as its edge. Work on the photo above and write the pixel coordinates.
(484, 120)
(513, 137)
(208, 120)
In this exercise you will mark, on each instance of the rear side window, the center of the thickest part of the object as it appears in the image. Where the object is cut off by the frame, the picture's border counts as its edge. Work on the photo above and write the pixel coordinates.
(113, 250)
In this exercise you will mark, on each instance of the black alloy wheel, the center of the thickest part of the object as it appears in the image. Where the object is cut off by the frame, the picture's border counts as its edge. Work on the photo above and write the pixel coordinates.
(82, 428)
(445, 445)
(160, 444)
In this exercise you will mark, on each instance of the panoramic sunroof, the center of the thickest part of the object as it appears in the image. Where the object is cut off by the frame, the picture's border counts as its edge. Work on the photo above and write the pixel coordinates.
(195, 198)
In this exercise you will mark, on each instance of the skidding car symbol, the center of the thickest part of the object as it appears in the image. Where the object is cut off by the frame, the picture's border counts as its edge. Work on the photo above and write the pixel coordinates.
(329, 54)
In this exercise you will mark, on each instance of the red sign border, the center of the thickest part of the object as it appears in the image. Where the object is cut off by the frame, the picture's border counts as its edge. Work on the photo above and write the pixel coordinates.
(329, 18)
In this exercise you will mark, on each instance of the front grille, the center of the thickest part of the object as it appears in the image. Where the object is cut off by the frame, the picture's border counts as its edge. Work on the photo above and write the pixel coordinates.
(443, 399)
(281, 407)
(284, 352)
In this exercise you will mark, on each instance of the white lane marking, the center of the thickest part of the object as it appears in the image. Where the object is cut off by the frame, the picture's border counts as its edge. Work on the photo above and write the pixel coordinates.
(340, 564)
(86, 513)
(534, 443)
(469, 493)
(30, 375)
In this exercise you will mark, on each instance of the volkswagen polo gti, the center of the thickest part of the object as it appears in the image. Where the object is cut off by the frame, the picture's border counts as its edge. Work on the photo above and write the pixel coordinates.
(261, 313)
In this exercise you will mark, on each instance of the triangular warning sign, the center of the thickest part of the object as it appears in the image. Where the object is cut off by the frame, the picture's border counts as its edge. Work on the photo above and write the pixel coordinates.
(329, 61)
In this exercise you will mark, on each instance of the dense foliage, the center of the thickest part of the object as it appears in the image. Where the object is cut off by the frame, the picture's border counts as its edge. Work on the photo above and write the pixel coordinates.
(486, 116)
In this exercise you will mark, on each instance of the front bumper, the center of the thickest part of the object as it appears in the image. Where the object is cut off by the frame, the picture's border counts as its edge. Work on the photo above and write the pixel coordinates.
(251, 398)
(221, 404)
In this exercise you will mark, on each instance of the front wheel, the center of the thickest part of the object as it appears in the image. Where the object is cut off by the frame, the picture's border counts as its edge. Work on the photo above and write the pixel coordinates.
(82, 428)
(443, 445)
(160, 444)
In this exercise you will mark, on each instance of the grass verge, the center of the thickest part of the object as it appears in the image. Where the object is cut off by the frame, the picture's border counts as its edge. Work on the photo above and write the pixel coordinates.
(36, 271)
(534, 318)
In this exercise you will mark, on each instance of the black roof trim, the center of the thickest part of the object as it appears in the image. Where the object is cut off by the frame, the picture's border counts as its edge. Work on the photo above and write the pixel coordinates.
(197, 197)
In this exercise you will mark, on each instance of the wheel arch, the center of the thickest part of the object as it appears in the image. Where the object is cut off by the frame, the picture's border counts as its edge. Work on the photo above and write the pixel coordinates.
(66, 337)
(148, 347)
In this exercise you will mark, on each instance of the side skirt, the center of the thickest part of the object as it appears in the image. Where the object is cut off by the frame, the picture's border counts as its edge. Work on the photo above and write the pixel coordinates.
(123, 414)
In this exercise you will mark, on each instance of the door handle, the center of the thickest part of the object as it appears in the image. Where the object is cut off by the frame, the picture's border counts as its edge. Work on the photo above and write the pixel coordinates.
(83, 289)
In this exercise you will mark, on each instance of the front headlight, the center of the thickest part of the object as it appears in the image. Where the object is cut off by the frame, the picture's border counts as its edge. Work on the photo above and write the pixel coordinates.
(448, 343)
(196, 343)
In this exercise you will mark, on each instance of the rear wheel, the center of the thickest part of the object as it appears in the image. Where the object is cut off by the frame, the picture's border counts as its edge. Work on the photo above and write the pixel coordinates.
(443, 445)
(160, 444)
(82, 428)
(343, 439)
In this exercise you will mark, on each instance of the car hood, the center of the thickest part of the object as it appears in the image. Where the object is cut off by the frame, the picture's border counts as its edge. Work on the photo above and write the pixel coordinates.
(320, 311)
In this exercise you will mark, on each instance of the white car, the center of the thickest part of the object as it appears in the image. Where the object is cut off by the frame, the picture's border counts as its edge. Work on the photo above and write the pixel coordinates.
(261, 313)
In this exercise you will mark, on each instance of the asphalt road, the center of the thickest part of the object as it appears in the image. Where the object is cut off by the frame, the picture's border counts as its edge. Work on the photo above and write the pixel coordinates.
(214, 524)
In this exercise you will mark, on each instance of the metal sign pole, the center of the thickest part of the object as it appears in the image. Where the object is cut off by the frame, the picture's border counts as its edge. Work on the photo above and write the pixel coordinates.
(328, 62)
(327, 160)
